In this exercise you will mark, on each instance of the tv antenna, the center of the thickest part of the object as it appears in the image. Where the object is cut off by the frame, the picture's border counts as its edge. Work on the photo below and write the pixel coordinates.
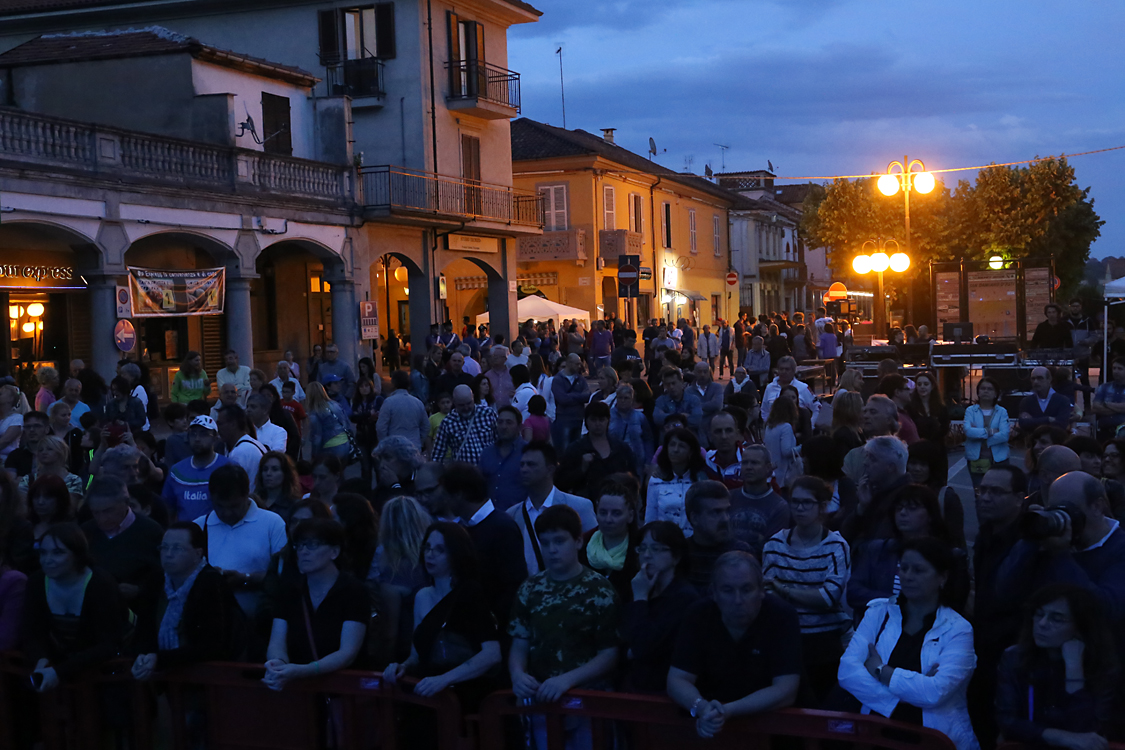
(689, 162)
(723, 149)
(562, 86)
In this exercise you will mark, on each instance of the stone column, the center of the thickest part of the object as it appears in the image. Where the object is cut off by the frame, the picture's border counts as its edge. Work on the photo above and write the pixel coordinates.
(240, 328)
(502, 297)
(103, 319)
(345, 321)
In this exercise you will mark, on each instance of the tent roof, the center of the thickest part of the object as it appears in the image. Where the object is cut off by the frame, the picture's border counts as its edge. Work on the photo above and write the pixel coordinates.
(536, 307)
(1115, 289)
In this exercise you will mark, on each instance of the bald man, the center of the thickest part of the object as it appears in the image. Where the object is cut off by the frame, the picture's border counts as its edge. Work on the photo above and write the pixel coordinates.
(1089, 553)
(1053, 462)
(1044, 406)
(466, 431)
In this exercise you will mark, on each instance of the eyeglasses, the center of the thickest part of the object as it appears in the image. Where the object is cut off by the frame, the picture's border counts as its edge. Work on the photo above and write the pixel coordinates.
(175, 549)
(652, 549)
(310, 545)
(802, 504)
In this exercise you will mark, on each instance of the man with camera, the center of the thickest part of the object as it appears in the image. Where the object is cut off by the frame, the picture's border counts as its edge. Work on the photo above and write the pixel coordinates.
(1074, 539)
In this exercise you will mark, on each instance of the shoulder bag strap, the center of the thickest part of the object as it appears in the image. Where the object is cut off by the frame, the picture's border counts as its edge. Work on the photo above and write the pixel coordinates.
(308, 621)
(532, 535)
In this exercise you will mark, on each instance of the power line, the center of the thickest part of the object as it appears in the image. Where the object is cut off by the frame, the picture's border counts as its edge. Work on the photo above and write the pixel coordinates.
(958, 169)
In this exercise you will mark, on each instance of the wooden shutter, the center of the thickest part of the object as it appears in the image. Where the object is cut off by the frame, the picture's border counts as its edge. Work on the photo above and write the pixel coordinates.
(691, 231)
(717, 234)
(555, 207)
(666, 225)
(455, 86)
(276, 125)
(636, 213)
(610, 208)
(470, 157)
(385, 30)
(329, 25)
(478, 58)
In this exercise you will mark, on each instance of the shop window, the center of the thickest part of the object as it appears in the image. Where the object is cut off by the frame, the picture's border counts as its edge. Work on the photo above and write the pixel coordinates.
(317, 285)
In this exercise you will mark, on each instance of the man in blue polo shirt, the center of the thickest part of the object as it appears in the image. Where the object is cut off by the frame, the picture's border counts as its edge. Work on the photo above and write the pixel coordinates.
(1109, 402)
(500, 462)
(185, 490)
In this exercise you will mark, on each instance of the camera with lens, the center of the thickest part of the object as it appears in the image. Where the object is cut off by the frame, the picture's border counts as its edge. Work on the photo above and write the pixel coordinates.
(1038, 525)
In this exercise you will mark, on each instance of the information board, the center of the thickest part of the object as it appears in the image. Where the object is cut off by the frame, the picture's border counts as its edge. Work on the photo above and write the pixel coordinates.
(992, 303)
(948, 298)
(1037, 293)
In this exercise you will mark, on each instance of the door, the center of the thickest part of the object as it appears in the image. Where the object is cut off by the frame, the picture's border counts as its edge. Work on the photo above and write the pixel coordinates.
(403, 318)
(470, 170)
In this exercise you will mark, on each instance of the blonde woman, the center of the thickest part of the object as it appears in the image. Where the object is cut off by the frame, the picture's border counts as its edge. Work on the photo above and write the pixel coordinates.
(328, 427)
(851, 380)
(397, 568)
(847, 420)
(51, 456)
(48, 378)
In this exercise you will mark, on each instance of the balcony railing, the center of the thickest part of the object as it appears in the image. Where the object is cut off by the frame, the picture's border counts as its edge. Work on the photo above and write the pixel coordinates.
(356, 78)
(53, 142)
(405, 190)
(472, 79)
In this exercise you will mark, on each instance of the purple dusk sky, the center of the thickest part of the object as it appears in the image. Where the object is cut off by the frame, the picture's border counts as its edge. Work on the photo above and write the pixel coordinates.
(826, 87)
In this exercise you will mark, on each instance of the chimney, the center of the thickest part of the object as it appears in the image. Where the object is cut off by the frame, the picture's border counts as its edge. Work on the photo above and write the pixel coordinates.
(607, 134)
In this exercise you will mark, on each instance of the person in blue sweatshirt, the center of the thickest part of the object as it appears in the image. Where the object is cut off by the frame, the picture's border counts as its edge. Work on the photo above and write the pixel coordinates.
(1094, 558)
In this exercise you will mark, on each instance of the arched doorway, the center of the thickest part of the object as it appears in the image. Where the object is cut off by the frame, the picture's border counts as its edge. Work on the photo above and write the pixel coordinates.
(609, 297)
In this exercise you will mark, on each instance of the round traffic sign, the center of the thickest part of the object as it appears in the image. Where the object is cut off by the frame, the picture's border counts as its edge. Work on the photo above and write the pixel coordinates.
(628, 273)
(124, 335)
(837, 291)
(732, 278)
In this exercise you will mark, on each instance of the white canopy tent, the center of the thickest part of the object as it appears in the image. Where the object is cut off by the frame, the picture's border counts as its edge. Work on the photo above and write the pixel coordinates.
(538, 308)
(1114, 290)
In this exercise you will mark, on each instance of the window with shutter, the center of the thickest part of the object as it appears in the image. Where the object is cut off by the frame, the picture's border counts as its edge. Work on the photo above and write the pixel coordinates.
(276, 125)
(666, 225)
(328, 22)
(691, 230)
(610, 208)
(717, 234)
(554, 199)
(636, 213)
(385, 30)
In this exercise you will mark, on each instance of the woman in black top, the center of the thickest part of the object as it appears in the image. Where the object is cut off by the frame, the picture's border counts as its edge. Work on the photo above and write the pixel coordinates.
(928, 465)
(661, 596)
(323, 620)
(593, 457)
(455, 641)
(1057, 686)
(361, 532)
(282, 574)
(73, 615)
(610, 549)
(926, 408)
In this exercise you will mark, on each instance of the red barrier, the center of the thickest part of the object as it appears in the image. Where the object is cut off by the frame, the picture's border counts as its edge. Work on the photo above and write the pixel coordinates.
(656, 723)
(240, 711)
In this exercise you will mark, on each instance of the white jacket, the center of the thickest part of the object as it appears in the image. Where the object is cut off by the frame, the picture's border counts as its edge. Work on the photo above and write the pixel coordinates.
(522, 395)
(976, 433)
(948, 647)
(708, 346)
(544, 388)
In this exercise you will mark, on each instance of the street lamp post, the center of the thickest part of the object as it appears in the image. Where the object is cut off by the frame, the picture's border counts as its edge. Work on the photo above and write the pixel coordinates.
(908, 179)
(877, 262)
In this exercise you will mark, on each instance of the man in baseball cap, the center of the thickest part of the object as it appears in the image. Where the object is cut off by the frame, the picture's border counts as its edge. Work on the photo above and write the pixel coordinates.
(185, 489)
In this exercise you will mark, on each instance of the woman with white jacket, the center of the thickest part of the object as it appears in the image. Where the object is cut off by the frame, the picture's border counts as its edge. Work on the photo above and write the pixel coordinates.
(986, 431)
(911, 657)
(523, 389)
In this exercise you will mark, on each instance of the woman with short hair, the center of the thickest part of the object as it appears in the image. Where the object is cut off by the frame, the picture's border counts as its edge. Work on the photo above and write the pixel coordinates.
(52, 456)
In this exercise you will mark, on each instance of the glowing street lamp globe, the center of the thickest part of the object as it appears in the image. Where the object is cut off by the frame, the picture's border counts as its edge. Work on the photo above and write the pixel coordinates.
(880, 262)
(862, 264)
(924, 182)
(900, 262)
(995, 262)
(888, 184)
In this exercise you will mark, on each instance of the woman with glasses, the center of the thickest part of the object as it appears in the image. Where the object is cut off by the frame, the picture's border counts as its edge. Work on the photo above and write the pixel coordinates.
(661, 596)
(1113, 460)
(199, 609)
(808, 566)
(282, 574)
(455, 641)
(915, 515)
(1056, 687)
(610, 549)
(73, 617)
(323, 620)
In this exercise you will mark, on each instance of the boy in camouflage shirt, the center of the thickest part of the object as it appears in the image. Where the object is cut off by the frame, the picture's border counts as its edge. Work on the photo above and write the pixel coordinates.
(564, 623)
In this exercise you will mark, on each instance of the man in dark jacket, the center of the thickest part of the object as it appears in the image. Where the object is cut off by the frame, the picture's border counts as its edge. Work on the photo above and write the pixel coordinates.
(496, 537)
(197, 617)
(571, 392)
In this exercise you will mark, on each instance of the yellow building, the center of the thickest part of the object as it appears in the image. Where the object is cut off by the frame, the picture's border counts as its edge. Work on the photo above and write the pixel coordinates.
(603, 201)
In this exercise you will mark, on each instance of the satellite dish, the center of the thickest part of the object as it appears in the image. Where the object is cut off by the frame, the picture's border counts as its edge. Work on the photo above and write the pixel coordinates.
(708, 171)
(652, 146)
(770, 163)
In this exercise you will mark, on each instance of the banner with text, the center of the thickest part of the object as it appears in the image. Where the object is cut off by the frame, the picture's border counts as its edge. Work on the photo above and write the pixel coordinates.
(157, 293)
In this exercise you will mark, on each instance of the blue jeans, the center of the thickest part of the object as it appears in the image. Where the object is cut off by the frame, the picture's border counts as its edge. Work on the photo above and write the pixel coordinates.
(563, 433)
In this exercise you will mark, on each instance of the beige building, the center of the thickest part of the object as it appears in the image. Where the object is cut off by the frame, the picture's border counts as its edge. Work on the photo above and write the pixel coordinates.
(603, 201)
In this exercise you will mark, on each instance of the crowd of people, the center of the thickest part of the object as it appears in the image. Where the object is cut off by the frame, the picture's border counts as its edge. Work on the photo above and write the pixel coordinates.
(567, 510)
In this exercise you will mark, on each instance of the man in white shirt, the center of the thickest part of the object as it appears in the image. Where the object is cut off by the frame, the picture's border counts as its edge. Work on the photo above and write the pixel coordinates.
(519, 355)
(822, 317)
(240, 536)
(269, 434)
(787, 375)
(285, 375)
(537, 474)
(242, 449)
(471, 366)
(233, 373)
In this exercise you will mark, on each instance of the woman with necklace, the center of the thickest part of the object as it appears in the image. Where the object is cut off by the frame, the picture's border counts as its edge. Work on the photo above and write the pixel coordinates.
(661, 596)
(323, 620)
(912, 656)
